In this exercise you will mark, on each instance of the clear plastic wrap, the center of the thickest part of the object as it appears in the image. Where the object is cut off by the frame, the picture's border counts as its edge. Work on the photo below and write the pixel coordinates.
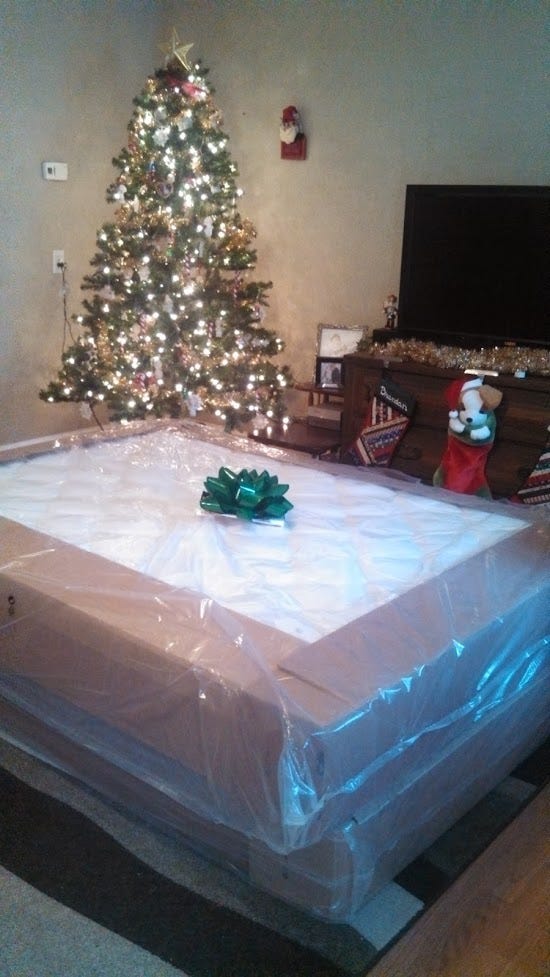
(312, 702)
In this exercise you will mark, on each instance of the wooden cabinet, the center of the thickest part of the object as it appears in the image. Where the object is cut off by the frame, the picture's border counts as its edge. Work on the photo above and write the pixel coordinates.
(522, 418)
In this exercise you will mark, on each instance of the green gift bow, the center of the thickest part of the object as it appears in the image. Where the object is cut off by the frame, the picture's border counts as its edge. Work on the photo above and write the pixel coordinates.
(246, 494)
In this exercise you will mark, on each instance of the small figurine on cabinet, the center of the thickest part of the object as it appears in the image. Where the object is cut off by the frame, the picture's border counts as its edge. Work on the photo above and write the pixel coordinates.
(470, 437)
(390, 311)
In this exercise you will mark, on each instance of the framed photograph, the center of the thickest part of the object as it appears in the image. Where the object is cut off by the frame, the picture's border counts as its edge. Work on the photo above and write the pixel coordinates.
(329, 372)
(336, 341)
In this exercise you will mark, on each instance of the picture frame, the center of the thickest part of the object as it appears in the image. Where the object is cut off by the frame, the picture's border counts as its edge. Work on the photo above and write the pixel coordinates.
(329, 372)
(337, 341)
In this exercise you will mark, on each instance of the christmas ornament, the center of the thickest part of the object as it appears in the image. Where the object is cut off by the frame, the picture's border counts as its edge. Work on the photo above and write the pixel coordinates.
(184, 122)
(141, 381)
(174, 49)
(160, 137)
(193, 91)
(194, 403)
(165, 189)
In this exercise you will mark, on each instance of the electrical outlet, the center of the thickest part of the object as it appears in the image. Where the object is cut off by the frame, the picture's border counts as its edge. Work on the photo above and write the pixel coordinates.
(58, 258)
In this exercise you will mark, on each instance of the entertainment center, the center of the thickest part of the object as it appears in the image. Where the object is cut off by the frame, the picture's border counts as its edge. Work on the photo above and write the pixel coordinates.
(475, 276)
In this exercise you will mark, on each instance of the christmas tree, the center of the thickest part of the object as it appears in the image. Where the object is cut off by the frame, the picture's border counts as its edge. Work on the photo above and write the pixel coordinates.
(173, 322)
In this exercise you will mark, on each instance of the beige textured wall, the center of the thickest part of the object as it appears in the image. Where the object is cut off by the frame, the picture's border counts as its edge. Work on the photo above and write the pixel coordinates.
(71, 68)
(391, 92)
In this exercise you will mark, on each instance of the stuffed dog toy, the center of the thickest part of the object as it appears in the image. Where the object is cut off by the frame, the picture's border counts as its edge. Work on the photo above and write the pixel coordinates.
(471, 432)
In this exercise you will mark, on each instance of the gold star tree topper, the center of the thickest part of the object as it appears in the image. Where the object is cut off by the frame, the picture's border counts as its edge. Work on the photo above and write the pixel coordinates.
(175, 49)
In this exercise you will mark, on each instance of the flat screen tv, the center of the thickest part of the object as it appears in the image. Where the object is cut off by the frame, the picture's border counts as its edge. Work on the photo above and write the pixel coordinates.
(475, 268)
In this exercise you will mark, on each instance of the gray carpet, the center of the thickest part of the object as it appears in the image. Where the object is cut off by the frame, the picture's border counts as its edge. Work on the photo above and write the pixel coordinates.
(40, 937)
(123, 897)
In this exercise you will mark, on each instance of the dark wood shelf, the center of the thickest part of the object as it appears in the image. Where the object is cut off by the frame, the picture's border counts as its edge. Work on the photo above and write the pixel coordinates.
(522, 418)
(319, 395)
(299, 436)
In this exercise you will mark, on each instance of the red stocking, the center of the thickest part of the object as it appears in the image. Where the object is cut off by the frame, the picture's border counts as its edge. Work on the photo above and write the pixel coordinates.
(536, 489)
(388, 417)
(462, 468)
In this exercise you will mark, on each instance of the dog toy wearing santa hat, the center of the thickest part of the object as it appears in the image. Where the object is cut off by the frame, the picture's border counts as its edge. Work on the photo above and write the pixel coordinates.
(471, 433)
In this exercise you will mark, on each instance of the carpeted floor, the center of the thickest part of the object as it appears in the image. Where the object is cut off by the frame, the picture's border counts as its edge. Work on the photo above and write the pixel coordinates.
(101, 892)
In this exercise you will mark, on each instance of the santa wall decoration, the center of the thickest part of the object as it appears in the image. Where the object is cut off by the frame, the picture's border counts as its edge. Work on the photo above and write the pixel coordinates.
(293, 140)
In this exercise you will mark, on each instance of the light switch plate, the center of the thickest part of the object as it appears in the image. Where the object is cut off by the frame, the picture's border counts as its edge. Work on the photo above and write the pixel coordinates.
(55, 171)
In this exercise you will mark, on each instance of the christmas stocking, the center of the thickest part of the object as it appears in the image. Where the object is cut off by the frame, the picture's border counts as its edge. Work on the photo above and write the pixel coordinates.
(388, 417)
(536, 489)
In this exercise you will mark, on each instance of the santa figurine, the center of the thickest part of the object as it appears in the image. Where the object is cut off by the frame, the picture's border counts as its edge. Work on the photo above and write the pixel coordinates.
(390, 311)
(293, 141)
(470, 436)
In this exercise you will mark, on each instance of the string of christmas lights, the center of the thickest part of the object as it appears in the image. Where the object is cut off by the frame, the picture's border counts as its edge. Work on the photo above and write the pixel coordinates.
(172, 321)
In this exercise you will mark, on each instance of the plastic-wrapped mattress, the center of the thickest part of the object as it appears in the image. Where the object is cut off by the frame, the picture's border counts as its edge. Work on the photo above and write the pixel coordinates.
(312, 702)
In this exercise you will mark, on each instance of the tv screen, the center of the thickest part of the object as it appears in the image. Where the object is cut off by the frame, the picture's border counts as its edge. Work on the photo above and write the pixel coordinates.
(475, 266)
